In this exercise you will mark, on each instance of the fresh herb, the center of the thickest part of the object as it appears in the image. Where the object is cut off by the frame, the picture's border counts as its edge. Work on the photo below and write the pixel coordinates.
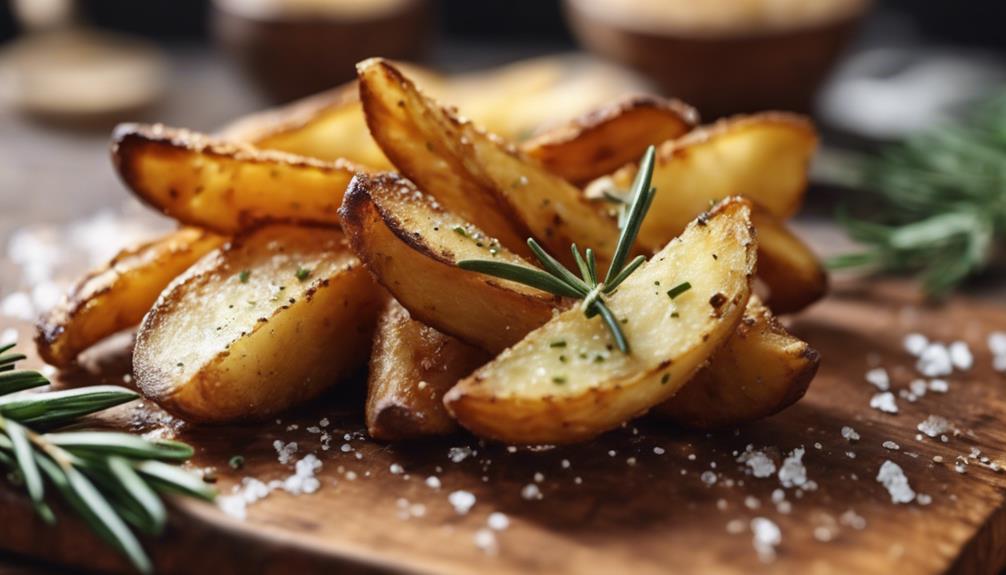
(939, 202)
(558, 380)
(559, 280)
(460, 230)
(236, 462)
(558, 343)
(112, 480)
(303, 273)
(243, 276)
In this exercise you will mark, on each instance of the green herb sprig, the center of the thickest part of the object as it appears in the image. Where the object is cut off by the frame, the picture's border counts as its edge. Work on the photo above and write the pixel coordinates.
(940, 202)
(588, 286)
(112, 480)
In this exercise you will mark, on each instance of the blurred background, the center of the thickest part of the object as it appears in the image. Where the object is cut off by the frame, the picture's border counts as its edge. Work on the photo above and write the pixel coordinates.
(870, 72)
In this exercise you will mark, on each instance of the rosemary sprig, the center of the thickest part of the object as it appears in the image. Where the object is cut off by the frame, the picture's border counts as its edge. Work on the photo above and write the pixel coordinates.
(940, 202)
(558, 280)
(112, 480)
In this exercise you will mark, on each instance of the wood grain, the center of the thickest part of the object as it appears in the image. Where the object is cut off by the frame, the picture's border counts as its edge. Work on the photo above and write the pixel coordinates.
(653, 516)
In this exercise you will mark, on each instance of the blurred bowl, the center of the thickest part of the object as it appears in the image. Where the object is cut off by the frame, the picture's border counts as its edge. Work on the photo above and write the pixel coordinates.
(723, 56)
(293, 48)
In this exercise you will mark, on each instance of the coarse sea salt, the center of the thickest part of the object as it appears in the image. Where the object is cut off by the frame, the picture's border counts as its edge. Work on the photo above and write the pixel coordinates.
(939, 385)
(792, 473)
(459, 454)
(760, 464)
(935, 361)
(891, 445)
(960, 355)
(915, 343)
(767, 536)
(878, 377)
(892, 477)
(918, 387)
(498, 521)
(462, 501)
(485, 540)
(302, 482)
(708, 477)
(934, 425)
(884, 402)
(849, 434)
(997, 342)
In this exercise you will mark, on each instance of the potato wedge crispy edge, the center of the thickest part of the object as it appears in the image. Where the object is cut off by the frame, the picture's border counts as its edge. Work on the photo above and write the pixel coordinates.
(116, 296)
(603, 140)
(411, 368)
(761, 370)
(412, 247)
(268, 321)
(223, 186)
(566, 382)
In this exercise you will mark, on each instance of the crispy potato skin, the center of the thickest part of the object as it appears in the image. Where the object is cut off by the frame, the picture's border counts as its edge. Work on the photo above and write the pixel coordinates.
(222, 186)
(412, 247)
(476, 175)
(411, 368)
(221, 346)
(116, 296)
(603, 140)
(761, 370)
(794, 275)
(541, 392)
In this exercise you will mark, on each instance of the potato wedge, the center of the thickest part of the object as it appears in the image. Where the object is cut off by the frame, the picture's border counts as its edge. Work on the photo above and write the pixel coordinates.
(412, 246)
(117, 295)
(328, 126)
(795, 277)
(603, 140)
(759, 371)
(566, 381)
(222, 186)
(270, 320)
(411, 368)
(475, 175)
(763, 157)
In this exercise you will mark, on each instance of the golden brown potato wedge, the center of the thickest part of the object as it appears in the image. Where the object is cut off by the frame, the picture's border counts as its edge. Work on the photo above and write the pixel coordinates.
(795, 277)
(603, 140)
(223, 186)
(411, 368)
(270, 320)
(412, 247)
(763, 157)
(475, 175)
(566, 381)
(328, 126)
(117, 295)
(759, 371)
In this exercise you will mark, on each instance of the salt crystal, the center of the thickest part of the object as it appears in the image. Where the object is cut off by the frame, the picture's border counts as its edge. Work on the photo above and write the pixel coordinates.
(850, 433)
(351, 476)
(878, 378)
(658, 450)
(960, 355)
(884, 402)
(735, 526)
(751, 502)
(784, 507)
(823, 534)
(284, 451)
(891, 445)
(346, 448)
(767, 537)
(612, 453)
(630, 461)
(485, 540)
(997, 342)
(233, 505)
(721, 504)
(934, 425)
(850, 454)
(498, 521)
(8, 336)
(934, 361)
(915, 343)
(576, 480)
(433, 482)
(708, 477)
(462, 501)
(564, 463)
(893, 478)
(531, 491)
(918, 387)
(924, 499)
(323, 422)
(939, 385)
(817, 445)
(999, 362)
(778, 496)
(761, 465)
(852, 519)
(792, 473)
(459, 454)
(538, 477)
(396, 469)
(937, 459)
(691, 457)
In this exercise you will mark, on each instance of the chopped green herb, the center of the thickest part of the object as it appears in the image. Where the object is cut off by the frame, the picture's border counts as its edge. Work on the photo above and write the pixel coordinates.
(243, 276)
(558, 343)
(460, 230)
(236, 462)
(303, 273)
(665, 378)
(558, 380)
(679, 289)
(562, 358)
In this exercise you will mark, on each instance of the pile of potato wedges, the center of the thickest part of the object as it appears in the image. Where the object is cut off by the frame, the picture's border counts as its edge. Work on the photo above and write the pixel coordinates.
(323, 238)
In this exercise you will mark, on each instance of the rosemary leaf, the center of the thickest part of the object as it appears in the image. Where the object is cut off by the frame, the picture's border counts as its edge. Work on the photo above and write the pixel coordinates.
(613, 327)
(581, 264)
(60, 407)
(556, 268)
(14, 381)
(638, 205)
(27, 467)
(522, 274)
(124, 444)
(139, 492)
(635, 263)
(174, 479)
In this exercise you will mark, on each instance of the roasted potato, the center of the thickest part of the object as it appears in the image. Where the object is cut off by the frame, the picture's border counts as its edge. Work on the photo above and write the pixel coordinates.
(603, 140)
(763, 157)
(759, 371)
(411, 368)
(270, 320)
(475, 175)
(117, 295)
(792, 272)
(226, 187)
(412, 247)
(567, 382)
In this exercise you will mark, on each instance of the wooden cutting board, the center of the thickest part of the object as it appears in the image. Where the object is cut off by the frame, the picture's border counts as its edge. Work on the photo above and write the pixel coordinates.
(617, 506)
